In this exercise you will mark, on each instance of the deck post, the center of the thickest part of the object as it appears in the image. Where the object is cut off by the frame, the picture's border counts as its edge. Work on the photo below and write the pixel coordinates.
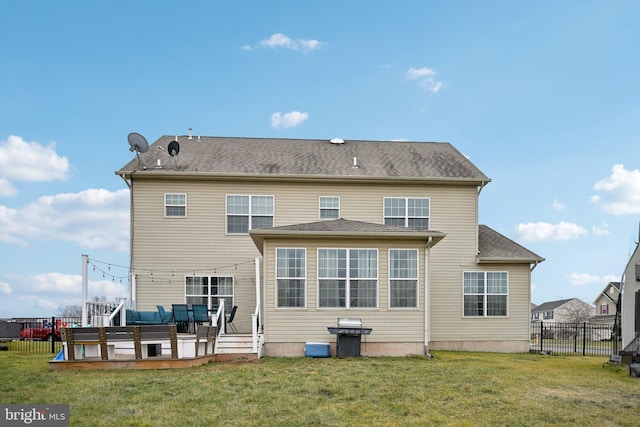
(85, 290)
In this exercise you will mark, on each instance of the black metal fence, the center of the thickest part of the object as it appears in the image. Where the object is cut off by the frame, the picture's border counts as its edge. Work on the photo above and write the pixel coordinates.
(35, 335)
(574, 339)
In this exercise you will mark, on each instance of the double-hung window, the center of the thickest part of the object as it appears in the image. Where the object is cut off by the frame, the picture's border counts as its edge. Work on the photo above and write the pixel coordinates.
(209, 290)
(407, 212)
(485, 293)
(291, 277)
(403, 278)
(175, 205)
(246, 213)
(604, 308)
(347, 278)
(329, 207)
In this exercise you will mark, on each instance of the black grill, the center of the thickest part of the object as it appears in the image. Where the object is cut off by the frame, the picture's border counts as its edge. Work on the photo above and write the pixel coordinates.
(349, 332)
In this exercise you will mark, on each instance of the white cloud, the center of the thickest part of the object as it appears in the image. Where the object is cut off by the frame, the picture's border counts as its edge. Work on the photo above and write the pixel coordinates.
(6, 189)
(620, 192)
(5, 288)
(94, 219)
(541, 231)
(602, 230)
(29, 161)
(416, 73)
(584, 279)
(558, 206)
(426, 78)
(46, 293)
(287, 120)
(279, 40)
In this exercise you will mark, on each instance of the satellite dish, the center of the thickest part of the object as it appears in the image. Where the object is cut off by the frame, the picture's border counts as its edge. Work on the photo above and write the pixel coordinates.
(138, 143)
(173, 148)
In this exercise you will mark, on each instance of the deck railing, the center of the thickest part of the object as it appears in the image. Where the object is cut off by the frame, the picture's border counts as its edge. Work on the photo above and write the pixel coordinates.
(105, 313)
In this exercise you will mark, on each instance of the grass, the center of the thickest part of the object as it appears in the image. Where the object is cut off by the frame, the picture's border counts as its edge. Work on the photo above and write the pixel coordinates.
(453, 388)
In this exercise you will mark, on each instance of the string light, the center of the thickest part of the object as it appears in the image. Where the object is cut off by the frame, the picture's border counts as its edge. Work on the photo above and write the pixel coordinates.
(107, 272)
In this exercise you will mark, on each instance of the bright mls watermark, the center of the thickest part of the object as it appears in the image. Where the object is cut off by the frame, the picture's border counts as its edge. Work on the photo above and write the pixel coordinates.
(34, 415)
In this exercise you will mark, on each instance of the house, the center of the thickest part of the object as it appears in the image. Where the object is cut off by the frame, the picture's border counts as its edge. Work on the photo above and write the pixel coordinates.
(606, 304)
(298, 233)
(570, 310)
(630, 300)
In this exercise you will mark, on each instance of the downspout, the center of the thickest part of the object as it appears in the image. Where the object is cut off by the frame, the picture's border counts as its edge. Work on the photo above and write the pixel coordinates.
(482, 185)
(535, 264)
(131, 275)
(427, 290)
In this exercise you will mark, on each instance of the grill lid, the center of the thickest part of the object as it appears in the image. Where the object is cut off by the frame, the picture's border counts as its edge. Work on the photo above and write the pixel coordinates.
(348, 322)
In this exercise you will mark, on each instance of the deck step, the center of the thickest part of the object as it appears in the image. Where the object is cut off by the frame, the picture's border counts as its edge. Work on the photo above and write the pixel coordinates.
(234, 344)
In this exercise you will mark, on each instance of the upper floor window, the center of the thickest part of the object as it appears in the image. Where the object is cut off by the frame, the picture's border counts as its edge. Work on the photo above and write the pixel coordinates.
(246, 213)
(329, 207)
(548, 315)
(175, 205)
(291, 277)
(604, 308)
(535, 316)
(347, 278)
(403, 278)
(485, 293)
(407, 212)
(209, 290)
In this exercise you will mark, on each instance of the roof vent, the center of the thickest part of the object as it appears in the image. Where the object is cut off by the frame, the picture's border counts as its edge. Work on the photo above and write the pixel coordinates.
(337, 141)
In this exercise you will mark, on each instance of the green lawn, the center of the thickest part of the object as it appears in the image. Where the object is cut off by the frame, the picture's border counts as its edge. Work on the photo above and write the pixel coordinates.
(453, 388)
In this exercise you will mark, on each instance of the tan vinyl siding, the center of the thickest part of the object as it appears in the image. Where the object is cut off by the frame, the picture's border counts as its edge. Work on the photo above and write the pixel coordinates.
(310, 323)
(454, 327)
(165, 250)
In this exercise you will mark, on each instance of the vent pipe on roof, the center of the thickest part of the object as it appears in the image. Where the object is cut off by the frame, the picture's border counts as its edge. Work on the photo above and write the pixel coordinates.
(355, 163)
(190, 137)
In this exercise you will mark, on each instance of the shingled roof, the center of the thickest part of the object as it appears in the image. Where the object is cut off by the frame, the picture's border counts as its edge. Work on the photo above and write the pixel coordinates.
(278, 157)
(551, 305)
(493, 247)
(344, 229)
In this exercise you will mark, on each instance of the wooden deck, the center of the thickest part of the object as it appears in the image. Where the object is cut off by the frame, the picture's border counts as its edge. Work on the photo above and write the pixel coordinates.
(142, 347)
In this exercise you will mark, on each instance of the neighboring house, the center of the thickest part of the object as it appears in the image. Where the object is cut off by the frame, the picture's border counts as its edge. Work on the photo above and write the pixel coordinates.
(606, 304)
(563, 311)
(298, 233)
(630, 299)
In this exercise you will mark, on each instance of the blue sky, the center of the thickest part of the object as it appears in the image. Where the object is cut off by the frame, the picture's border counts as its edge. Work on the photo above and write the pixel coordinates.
(542, 96)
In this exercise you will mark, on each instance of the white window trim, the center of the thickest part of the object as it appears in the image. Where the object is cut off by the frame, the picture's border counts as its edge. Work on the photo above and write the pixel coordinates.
(165, 205)
(320, 207)
(406, 216)
(226, 212)
(306, 281)
(417, 279)
(484, 316)
(209, 285)
(348, 282)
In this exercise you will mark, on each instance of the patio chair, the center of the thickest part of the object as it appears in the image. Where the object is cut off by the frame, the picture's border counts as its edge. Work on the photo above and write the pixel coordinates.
(181, 317)
(230, 318)
(165, 317)
(200, 314)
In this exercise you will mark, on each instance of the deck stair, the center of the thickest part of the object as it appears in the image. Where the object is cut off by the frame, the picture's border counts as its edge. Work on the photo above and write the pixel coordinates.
(234, 344)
